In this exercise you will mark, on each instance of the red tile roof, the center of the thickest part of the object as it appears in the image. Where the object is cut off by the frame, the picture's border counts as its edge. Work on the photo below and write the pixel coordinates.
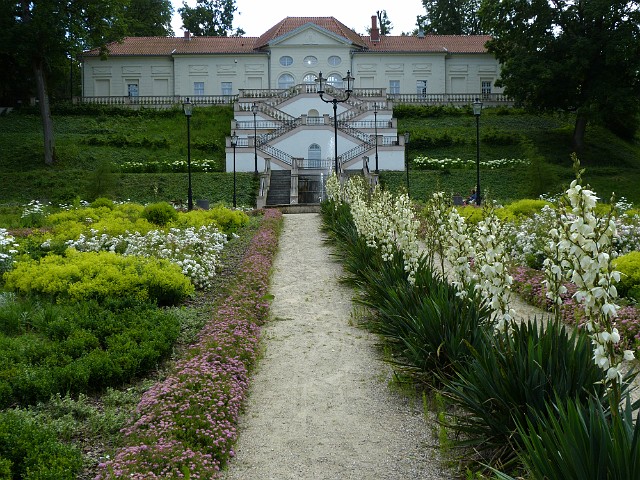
(291, 23)
(429, 43)
(163, 46)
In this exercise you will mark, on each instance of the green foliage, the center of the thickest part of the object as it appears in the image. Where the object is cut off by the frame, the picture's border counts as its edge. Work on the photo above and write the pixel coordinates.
(512, 379)
(491, 136)
(32, 452)
(161, 213)
(210, 17)
(629, 267)
(100, 275)
(103, 202)
(580, 440)
(520, 209)
(80, 347)
(227, 220)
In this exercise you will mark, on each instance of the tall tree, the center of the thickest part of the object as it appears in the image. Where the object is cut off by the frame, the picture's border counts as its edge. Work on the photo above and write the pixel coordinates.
(578, 55)
(44, 34)
(384, 22)
(210, 17)
(149, 18)
(450, 17)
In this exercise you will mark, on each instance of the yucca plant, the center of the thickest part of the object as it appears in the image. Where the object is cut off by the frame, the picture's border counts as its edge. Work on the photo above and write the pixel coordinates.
(580, 440)
(430, 327)
(512, 381)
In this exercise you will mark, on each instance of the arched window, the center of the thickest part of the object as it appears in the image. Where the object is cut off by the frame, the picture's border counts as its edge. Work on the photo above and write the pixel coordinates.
(309, 79)
(315, 155)
(334, 80)
(285, 81)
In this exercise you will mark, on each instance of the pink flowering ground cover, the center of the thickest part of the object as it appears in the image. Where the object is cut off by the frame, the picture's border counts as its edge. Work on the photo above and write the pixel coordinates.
(186, 425)
(528, 283)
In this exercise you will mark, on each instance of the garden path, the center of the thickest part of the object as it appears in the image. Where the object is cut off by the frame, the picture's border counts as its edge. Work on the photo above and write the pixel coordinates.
(319, 406)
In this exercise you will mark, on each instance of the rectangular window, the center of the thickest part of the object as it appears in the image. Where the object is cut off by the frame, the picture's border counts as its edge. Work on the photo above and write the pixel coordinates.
(198, 88)
(394, 87)
(421, 86)
(227, 88)
(486, 89)
(132, 89)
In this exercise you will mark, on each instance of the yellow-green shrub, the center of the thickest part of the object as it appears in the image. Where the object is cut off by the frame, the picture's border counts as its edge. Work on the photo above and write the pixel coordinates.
(100, 275)
(521, 208)
(225, 219)
(161, 213)
(629, 266)
(470, 213)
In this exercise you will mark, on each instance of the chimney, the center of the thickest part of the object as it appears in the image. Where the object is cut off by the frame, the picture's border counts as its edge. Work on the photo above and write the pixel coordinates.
(375, 31)
(187, 35)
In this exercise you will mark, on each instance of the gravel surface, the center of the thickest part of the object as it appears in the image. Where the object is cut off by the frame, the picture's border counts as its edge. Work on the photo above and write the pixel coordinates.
(319, 406)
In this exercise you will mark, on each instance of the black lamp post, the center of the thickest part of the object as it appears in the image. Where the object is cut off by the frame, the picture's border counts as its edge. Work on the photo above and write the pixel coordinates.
(234, 142)
(254, 110)
(375, 125)
(335, 102)
(477, 110)
(407, 136)
(188, 110)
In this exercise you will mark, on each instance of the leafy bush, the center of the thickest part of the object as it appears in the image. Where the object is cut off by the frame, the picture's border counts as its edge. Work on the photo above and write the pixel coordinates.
(514, 378)
(492, 136)
(161, 213)
(32, 452)
(578, 441)
(80, 347)
(629, 266)
(227, 220)
(100, 275)
(102, 202)
(521, 208)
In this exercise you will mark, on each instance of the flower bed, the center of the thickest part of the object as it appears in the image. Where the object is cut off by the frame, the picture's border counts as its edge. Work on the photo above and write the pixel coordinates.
(186, 425)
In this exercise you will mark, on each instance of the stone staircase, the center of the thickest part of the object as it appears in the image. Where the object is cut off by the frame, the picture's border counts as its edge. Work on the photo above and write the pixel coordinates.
(279, 188)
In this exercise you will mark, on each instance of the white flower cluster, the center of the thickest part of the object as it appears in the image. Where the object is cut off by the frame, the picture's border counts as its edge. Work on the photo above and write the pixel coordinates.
(386, 222)
(435, 229)
(492, 263)
(628, 233)
(334, 189)
(7, 250)
(459, 250)
(583, 245)
(34, 208)
(196, 251)
(443, 163)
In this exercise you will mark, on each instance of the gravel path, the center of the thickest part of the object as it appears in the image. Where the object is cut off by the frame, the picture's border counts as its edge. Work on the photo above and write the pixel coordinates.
(319, 406)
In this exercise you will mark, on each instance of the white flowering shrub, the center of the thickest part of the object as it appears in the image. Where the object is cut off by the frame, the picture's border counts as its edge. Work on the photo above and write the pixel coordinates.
(447, 163)
(584, 243)
(7, 250)
(435, 229)
(492, 264)
(386, 222)
(195, 250)
(459, 251)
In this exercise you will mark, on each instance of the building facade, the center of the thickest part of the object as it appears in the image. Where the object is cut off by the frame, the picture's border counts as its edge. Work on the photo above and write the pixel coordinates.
(280, 121)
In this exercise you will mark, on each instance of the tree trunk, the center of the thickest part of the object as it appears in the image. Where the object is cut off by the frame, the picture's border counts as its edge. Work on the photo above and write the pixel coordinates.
(579, 132)
(45, 114)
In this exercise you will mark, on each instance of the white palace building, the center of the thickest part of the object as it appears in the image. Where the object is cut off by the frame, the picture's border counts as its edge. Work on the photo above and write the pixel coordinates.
(281, 123)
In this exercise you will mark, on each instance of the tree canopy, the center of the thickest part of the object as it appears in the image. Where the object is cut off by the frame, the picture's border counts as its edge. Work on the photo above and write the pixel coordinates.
(39, 37)
(210, 17)
(450, 17)
(385, 23)
(577, 55)
(149, 18)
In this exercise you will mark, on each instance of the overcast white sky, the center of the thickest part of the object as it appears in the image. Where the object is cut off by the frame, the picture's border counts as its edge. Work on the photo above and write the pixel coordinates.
(256, 16)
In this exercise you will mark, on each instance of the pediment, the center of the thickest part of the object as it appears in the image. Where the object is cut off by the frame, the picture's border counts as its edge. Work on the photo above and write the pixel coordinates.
(310, 34)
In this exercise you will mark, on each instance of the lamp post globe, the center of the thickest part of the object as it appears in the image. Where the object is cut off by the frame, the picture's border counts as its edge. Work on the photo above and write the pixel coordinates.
(187, 106)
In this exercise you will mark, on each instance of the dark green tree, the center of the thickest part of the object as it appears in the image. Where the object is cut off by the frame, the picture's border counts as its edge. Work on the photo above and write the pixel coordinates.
(210, 17)
(450, 17)
(384, 22)
(576, 55)
(149, 18)
(40, 37)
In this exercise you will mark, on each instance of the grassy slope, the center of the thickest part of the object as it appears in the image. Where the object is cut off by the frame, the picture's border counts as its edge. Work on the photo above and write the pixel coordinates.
(612, 165)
